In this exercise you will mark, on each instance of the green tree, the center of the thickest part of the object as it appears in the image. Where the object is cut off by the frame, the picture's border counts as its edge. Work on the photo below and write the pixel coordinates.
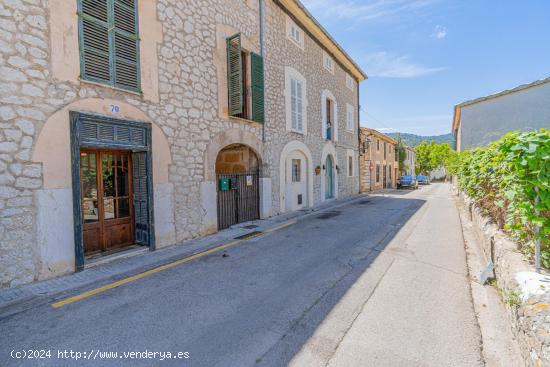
(401, 151)
(423, 158)
(430, 156)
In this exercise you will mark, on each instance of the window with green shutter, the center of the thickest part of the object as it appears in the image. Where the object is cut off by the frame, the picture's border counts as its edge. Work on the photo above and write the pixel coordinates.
(109, 42)
(257, 81)
(234, 76)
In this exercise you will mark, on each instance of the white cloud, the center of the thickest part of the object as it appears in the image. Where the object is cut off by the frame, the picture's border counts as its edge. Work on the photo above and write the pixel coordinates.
(387, 65)
(439, 32)
(365, 10)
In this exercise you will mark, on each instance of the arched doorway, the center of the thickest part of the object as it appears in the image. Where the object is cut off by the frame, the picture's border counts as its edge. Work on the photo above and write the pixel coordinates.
(329, 178)
(237, 177)
(297, 176)
(97, 196)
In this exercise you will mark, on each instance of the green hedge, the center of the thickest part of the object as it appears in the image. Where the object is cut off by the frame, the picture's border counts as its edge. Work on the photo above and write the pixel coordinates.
(502, 178)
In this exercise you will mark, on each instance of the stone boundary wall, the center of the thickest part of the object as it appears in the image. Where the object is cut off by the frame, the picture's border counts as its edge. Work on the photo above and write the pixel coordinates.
(525, 293)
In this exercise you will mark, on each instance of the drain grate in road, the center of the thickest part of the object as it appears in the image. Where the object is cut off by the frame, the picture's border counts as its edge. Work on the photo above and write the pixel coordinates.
(329, 215)
(364, 202)
(250, 226)
(248, 235)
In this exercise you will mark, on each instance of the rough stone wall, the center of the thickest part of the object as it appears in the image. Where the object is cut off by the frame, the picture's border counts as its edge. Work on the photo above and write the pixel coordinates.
(374, 156)
(187, 111)
(26, 99)
(365, 174)
(281, 52)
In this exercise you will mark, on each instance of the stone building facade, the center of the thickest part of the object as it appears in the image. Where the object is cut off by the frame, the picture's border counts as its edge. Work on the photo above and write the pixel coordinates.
(78, 157)
(410, 161)
(379, 163)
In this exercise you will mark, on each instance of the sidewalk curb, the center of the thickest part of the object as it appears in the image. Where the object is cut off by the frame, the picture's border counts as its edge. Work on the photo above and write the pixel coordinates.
(499, 346)
(527, 308)
(18, 299)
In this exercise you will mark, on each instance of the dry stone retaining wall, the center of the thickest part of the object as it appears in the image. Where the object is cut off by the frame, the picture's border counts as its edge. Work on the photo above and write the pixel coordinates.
(527, 299)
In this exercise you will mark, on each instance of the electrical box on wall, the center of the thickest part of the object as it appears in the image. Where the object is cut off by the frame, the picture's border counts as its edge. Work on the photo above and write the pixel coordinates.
(224, 184)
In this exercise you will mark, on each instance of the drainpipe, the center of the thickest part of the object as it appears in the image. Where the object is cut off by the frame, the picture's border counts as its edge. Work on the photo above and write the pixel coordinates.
(262, 54)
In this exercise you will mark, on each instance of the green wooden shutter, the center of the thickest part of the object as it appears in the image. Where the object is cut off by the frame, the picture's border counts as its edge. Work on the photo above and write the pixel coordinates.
(140, 197)
(126, 44)
(257, 81)
(94, 40)
(109, 42)
(234, 75)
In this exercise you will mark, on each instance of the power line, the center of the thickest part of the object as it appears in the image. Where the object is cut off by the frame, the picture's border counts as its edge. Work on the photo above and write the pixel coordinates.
(378, 120)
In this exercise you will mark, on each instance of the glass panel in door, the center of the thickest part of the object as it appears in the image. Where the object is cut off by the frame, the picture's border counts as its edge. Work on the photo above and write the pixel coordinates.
(118, 223)
(91, 228)
(107, 210)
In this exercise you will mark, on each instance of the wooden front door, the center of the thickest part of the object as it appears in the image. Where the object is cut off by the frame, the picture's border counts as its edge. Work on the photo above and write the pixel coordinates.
(107, 207)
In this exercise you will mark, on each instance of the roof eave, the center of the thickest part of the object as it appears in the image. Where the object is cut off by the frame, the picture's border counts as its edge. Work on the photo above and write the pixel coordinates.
(298, 10)
(504, 92)
(456, 119)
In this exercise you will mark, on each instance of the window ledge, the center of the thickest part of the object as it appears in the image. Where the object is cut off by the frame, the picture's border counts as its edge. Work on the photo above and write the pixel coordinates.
(85, 81)
(297, 132)
(296, 43)
(240, 119)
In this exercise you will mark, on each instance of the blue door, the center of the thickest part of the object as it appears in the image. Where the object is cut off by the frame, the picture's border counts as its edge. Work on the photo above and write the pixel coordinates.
(329, 179)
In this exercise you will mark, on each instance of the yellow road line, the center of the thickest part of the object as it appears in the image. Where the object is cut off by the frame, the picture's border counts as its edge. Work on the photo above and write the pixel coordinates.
(281, 226)
(161, 268)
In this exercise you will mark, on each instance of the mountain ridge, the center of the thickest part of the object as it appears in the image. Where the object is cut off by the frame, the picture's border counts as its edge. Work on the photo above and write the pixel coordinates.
(412, 140)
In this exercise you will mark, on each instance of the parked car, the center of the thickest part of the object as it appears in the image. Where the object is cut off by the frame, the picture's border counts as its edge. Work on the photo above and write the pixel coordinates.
(407, 181)
(423, 180)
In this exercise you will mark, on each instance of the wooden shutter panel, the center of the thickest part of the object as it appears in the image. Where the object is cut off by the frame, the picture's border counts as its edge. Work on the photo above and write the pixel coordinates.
(109, 42)
(258, 104)
(293, 104)
(234, 75)
(299, 106)
(126, 44)
(94, 52)
(140, 198)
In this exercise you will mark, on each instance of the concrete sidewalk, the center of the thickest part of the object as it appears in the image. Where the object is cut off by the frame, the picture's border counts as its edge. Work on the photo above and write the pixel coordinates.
(412, 307)
(17, 299)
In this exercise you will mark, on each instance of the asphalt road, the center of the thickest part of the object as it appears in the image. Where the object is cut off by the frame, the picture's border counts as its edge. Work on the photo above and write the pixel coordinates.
(377, 282)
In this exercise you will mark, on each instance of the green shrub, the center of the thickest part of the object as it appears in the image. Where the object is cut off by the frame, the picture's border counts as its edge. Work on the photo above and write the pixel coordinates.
(502, 178)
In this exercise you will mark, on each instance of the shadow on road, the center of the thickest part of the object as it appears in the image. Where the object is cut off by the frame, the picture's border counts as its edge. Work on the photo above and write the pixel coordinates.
(257, 303)
(361, 234)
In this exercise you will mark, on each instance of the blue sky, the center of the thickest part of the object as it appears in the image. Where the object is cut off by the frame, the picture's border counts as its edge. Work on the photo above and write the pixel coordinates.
(424, 56)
